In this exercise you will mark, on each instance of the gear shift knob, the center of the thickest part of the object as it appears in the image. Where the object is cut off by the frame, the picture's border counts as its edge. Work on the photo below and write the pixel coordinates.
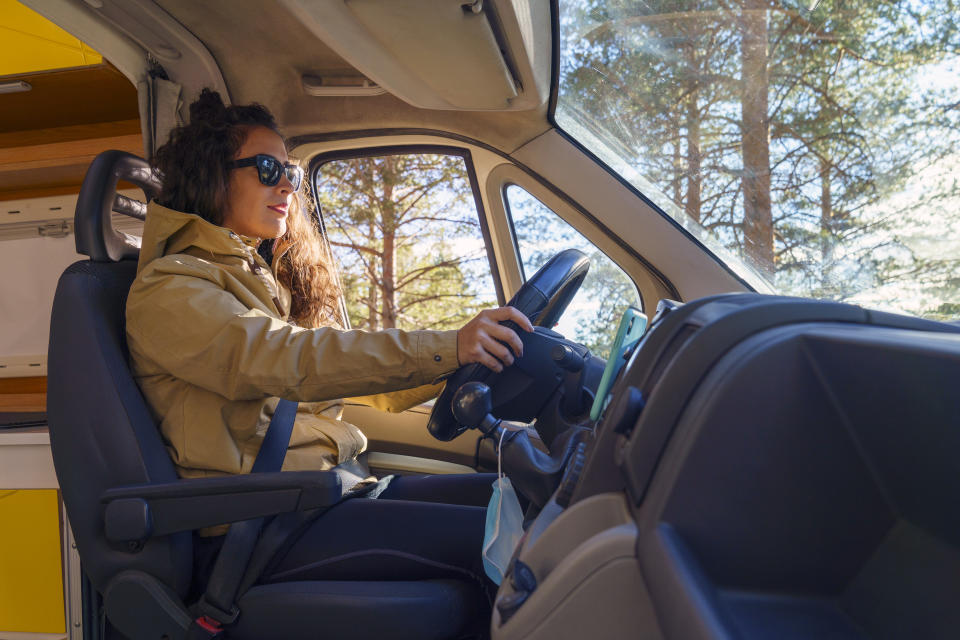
(471, 406)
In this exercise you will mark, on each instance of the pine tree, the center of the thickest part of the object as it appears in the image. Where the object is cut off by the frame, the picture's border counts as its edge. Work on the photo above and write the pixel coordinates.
(785, 129)
(407, 237)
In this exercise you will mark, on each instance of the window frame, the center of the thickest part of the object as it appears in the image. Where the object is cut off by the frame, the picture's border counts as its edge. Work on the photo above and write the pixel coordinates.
(320, 159)
(493, 167)
(516, 241)
(651, 283)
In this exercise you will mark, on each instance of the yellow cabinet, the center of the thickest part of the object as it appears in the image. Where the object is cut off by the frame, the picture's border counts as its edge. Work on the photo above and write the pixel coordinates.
(37, 558)
(31, 573)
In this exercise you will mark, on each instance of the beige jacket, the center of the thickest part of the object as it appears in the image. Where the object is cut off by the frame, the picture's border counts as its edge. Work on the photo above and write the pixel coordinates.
(212, 351)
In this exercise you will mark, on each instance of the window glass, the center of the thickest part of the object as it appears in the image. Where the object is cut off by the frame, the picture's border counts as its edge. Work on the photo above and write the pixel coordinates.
(405, 233)
(606, 292)
(810, 145)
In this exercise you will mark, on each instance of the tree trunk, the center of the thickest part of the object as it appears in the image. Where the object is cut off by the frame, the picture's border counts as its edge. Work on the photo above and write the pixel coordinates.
(693, 201)
(826, 224)
(373, 318)
(388, 278)
(757, 214)
(676, 181)
(373, 315)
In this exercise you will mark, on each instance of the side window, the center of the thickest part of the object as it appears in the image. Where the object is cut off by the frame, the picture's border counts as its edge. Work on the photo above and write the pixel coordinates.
(405, 231)
(606, 292)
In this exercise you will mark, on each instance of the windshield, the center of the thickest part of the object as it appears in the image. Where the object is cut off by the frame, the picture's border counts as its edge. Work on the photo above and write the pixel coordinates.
(811, 145)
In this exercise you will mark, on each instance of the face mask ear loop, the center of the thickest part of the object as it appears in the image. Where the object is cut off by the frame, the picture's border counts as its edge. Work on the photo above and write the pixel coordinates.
(503, 432)
(496, 527)
(499, 480)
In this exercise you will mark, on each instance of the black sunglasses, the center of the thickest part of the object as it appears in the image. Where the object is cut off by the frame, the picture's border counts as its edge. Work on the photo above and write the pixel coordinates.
(269, 169)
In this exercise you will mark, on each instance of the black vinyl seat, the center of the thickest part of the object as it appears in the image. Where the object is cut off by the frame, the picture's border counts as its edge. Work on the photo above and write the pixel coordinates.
(133, 517)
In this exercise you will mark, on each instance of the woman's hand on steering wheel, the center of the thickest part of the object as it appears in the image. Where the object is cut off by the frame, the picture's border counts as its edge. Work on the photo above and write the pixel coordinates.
(485, 341)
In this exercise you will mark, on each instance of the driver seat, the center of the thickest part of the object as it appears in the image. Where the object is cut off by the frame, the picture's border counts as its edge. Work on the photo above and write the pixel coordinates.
(132, 516)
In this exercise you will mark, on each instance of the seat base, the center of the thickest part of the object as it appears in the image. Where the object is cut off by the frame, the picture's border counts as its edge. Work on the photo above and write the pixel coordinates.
(421, 610)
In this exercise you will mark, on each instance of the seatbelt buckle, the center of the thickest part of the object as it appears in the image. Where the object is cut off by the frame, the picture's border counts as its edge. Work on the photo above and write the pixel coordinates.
(214, 615)
(205, 628)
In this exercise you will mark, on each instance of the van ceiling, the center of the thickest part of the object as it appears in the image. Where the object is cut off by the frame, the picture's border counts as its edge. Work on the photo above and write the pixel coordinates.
(263, 51)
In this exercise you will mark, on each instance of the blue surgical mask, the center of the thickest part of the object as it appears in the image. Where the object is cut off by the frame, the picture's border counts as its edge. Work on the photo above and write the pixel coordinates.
(504, 525)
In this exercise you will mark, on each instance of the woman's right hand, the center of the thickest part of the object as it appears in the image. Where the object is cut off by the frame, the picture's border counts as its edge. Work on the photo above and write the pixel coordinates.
(486, 341)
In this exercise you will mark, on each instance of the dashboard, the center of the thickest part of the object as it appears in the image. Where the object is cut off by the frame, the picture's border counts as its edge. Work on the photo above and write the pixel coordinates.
(766, 467)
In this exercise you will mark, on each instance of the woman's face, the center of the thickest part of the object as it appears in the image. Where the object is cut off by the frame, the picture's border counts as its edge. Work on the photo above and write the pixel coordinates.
(254, 209)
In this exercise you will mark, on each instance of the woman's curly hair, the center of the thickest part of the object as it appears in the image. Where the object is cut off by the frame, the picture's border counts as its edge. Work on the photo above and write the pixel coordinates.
(195, 174)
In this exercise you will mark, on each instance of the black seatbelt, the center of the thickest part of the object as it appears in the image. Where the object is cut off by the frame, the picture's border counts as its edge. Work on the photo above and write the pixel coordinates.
(216, 607)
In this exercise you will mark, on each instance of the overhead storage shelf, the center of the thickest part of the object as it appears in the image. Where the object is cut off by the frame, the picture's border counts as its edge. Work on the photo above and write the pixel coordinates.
(471, 56)
(48, 162)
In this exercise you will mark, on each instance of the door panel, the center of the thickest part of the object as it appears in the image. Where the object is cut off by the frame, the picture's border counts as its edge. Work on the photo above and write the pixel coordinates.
(406, 434)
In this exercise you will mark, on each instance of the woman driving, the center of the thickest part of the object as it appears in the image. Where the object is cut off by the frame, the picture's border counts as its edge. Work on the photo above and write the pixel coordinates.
(217, 336)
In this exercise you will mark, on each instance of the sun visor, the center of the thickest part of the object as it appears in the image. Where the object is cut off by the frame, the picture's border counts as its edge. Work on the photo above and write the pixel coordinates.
(473, 56)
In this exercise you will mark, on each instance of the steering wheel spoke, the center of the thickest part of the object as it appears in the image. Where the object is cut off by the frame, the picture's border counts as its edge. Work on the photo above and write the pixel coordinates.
(543, 298)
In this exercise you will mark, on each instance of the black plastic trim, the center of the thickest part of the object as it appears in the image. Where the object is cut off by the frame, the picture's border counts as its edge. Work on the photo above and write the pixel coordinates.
(513, 229)
(138, 512)
(485, 229)
(644, 449)
(555, 62)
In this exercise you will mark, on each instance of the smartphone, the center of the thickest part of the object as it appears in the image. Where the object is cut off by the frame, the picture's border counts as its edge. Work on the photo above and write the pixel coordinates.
(633, 323)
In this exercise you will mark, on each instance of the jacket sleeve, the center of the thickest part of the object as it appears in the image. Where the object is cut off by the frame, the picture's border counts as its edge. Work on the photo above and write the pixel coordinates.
(400, 401)
(191, 327)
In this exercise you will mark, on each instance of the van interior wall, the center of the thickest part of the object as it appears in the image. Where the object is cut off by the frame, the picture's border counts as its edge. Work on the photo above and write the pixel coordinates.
(31, 268)
(36, 245)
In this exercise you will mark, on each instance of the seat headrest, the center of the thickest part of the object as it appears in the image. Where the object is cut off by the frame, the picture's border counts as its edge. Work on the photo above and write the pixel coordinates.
(93, 222)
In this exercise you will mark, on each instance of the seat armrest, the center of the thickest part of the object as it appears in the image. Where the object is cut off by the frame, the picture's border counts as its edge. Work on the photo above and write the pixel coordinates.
(137, 512)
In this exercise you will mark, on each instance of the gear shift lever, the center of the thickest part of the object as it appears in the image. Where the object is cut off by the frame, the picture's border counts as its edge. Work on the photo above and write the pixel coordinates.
(472, 405)
(534, 473)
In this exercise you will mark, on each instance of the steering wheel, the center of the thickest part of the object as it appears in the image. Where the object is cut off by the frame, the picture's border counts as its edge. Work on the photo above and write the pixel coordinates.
(543, 298)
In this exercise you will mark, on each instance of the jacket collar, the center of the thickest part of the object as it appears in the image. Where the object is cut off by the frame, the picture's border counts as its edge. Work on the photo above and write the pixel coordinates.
(168, 231)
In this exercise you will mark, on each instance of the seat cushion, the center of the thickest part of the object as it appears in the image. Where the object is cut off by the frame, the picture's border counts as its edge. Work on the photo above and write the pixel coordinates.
(420, 610)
